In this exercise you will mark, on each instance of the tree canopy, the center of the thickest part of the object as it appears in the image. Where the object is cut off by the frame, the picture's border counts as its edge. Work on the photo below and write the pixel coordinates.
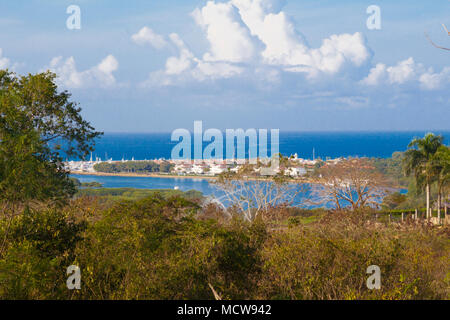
(38, 125)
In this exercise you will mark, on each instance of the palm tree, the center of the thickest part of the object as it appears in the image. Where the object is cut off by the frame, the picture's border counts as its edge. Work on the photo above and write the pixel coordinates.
(441, 163)
(419, 160)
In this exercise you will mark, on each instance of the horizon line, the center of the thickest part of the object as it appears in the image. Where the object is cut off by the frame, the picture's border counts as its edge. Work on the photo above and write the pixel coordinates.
(296, 131)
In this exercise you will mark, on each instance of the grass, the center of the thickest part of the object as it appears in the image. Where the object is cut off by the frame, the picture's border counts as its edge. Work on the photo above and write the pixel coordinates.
(136, 194)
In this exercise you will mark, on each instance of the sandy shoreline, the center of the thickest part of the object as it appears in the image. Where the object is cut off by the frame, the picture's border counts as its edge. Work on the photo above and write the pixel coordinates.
(139, 175)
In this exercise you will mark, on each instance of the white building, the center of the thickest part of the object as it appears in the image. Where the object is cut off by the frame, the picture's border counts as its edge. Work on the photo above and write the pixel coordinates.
(198, 169)
(295, 172)
(217, 169)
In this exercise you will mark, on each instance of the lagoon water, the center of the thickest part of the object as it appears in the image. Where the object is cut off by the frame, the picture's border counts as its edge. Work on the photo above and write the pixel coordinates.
(183, 184)
(201, 185)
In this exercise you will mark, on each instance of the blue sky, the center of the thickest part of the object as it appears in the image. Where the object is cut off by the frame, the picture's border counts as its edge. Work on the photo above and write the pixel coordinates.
(143, 66)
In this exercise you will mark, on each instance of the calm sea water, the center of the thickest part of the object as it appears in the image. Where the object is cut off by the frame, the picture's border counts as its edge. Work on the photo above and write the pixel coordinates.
(326, 144)
(202, 185)
(150, 183)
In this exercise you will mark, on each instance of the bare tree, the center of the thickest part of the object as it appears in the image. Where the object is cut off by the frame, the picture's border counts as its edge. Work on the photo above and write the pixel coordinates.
(354, 183)
(437, 46)
(253, 198)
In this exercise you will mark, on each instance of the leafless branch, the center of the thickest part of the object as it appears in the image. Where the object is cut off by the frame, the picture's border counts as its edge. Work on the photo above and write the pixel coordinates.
(435, 45)
(355, 183)
(216, 295)
(253, 198)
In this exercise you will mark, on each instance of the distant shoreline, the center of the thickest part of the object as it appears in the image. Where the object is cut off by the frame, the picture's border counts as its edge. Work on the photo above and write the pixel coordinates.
(141, 175)
(168, 176)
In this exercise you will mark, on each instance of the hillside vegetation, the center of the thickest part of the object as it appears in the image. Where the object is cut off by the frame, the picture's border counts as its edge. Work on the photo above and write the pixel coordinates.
(171, 248)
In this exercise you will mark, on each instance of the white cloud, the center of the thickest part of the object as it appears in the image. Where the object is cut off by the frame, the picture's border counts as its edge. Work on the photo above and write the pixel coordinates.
(402, 72)
(257, 40)
(352, 102)
(215, 70)
(273, 28)
(228, 36)
(285, 46)
(255, 36)
(99, 75)
(148, 36)
(186, 66)
(176, 65)
(231, 29)
(4, 62)
(407, 71)
(434, 81)
(376, 75)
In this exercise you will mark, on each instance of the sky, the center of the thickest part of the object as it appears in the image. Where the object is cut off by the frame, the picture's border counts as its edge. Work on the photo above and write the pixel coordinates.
(294, 65)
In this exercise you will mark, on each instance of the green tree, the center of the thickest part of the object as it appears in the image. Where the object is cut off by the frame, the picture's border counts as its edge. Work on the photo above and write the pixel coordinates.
(39, 245)
(38, 126)
(419, 161)
(393, 200)
(441, 164)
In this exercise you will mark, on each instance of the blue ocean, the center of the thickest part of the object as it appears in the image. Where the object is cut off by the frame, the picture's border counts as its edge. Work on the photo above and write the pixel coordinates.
(148, 146)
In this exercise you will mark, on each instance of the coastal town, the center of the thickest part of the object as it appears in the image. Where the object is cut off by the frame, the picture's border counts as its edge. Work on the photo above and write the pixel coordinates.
(296, 168)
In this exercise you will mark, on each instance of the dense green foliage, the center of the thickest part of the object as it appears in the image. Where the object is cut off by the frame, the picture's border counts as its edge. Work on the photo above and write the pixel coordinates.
(136, 194)
(36, 247)
(134, 167)
(171, 248)
(392, 168)
(327, 260)
(419, 159)
(428, 161)
(35, 119)
(92, 184)
(394, 200)
(77, 183)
